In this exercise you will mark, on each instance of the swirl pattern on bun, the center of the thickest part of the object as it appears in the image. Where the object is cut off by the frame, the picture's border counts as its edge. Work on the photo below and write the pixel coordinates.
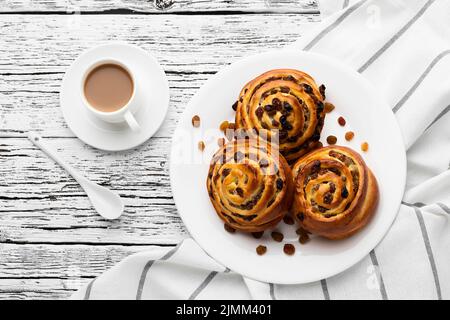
(250, 184)
(335, 192)
(286, 103)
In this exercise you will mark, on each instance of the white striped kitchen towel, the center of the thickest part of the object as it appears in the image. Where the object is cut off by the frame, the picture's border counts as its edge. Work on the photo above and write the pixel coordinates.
(403, 48)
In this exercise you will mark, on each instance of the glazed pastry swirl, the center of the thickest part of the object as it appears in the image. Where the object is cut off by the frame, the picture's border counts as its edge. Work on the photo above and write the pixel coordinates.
(287, 101)
(335, 192)
(250, 185)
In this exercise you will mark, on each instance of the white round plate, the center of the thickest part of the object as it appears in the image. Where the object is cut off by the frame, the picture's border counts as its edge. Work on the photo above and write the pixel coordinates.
(367, 115)
(153, 94)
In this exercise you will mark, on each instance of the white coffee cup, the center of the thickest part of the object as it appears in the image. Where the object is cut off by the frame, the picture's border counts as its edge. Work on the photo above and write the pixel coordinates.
(125, 113)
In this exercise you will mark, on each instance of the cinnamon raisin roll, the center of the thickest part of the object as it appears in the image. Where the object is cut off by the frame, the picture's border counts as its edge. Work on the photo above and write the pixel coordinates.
(285, 102)
(335, 192)
(250, 184)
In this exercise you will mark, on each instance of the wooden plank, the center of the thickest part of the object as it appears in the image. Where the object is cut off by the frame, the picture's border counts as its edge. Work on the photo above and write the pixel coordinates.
(36, 50)
(73, 262)
(15, 289)
(39, 202)
(55, 271)
(159, 6)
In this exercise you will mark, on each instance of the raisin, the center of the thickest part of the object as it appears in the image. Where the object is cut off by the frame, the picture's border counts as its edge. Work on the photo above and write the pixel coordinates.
(201, 145)
(304, 238)
(344, 192)
(276, 103)
(234, 106)
(364, 146)
(268, 107)
(225, 172)
(307, 88)
(328, 198)
(328, 107)
(277, 236)
(349, 135)
(257, 235)
(289, 249)
(196, 121)
(315, 166)
(331, 140)
(229, 228)
(322, 89)
(341, 121)
(260, 250)
(287, 106)
(259, 112)
(279, 184)
(288, 220)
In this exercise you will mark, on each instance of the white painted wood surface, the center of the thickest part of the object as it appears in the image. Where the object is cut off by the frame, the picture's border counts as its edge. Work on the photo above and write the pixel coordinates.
(51, 241)
(152, 6)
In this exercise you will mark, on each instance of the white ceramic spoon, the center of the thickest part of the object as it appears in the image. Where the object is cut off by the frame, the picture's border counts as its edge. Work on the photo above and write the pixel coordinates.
(106, 202)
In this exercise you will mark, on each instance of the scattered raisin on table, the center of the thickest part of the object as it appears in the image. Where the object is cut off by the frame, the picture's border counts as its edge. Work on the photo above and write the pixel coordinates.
(196, 121)
(304, 238)
(364, 146)
(201, 145)
(331, 140)
(277, 236)
(289, 249)
(341, 121)
(257, 235)
(349, 135)
(229, 228)
(260, 250)
(328, 107)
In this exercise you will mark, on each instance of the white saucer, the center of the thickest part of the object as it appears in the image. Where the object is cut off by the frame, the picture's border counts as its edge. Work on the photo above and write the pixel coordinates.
(153, 96)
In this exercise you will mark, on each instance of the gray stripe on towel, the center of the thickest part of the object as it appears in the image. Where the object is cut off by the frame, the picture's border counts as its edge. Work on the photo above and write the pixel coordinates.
(338, 21)
(426, 240)
(420, 80)
(440, 115)
(444, 207)
(147, 267)
(272, 291)
(203, 285)
(396, 36)
(87, 294)
(326, 294)
(374, 259)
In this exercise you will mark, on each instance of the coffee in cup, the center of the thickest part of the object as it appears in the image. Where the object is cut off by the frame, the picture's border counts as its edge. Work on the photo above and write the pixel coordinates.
(108, 92)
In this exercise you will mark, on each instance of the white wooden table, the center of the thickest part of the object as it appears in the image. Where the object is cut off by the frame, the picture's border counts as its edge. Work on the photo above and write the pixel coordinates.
(51, 240)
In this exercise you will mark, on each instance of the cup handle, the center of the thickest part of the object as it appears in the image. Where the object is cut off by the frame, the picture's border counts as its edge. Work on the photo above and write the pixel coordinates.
(131, 121)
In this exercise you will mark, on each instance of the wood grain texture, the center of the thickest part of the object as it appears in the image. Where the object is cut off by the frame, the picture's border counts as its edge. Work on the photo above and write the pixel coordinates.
(37, 50)
(150, 6)
(51, 240)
